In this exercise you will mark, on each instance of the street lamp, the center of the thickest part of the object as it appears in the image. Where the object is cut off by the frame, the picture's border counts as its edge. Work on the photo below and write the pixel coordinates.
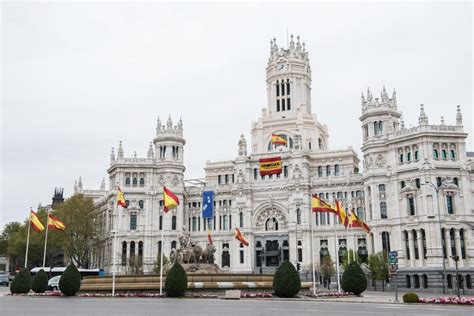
(436, 188)
(456, 259)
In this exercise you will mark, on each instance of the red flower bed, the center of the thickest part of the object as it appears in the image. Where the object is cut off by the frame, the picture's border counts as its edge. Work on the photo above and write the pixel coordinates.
(448, 300)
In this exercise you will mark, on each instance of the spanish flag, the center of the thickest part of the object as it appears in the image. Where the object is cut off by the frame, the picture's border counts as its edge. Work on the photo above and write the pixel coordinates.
(355, 221)
(318, 205)
(169, 199)
(341, 213)
(35, 222)
(278, 140)
(121, 198)
(209, 237)
(269, 165)
(55, 223)
(240, 237)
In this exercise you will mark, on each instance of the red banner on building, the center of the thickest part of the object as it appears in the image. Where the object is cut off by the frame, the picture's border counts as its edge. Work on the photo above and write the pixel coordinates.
(269, 166)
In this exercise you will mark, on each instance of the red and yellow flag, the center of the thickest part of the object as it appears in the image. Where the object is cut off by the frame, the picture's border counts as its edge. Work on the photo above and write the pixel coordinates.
(269, 165)
(209, 237)
(342, 214)
(355, 221)
(121, 198)
(55, 223)
(240, 237)
(35, 222)
(318, 205)
(278, 140)
(170, 200)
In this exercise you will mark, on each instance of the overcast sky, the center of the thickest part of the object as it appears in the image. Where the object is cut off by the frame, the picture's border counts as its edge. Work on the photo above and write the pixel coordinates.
(77, 78)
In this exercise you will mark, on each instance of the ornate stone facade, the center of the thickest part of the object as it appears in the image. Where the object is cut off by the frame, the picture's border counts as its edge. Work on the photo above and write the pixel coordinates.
(274, 212)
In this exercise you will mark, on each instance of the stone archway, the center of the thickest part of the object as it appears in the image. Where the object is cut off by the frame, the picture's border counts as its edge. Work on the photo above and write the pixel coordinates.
(270, 219)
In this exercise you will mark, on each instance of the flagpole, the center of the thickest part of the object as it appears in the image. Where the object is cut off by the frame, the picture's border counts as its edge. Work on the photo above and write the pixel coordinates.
(337, 256)
(46, 238)
(161, 254)
(312, 254)
(115, 253)
(28, 238)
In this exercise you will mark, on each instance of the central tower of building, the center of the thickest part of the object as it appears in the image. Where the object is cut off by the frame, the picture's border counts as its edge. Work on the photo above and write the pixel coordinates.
(288, 112)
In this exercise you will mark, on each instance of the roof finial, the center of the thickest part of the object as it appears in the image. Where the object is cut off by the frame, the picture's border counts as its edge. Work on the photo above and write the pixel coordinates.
(158, 126)
(442, 120)
(292, 43)
(458, 115)
(102, 184)
(120, 151)
(422, 118)
(112, 156)
(151, 153)
(298, 44)
(79, 184)
(304, 47)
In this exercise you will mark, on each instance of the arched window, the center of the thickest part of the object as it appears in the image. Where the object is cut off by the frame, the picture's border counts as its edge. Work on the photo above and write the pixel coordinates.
(443, 242)
(408, 281)
(142, 182)
(298, 216)
(127, 182)
(401, 158)
(449, 203)
(385, 241)
(140, 249)
(452, 154)
(463, 244)
(173, 222)
(415, 244)
(271, 224)
(453, 245)
(425, 281)
(407, 245)
(135, 182)
(241, 219)
(141, 203)
(423, 241)
(383, 210)
(278, 89)
(416, 155)
(127, 203)
(289, 142)
(336, 170)
(435, 154)
(173, 244)
(320, 143)
(132, 249)
(444, 154)
(408, 156)
(381, 187)
(328, 171)
(124, 253)
(133, 221)
(360, 213)
(416, 280)
(320, 171)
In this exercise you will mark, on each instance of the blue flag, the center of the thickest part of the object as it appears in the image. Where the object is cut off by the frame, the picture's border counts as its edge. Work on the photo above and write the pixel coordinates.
(208, 204)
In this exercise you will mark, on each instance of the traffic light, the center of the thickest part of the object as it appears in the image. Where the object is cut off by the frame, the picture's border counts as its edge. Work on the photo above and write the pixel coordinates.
(298, 266)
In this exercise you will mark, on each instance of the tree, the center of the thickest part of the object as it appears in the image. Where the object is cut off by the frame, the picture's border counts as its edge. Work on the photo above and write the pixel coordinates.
(349, 257)
(135, 265)
(354, 279)
(176, 281)
(286, 280)
(40, 282)
(81, 238)
(378, 266)
(22, 282)
(70, 281)
(327, 268)
(157, 263)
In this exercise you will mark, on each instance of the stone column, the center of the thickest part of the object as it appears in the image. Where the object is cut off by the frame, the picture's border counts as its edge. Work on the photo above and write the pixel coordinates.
(420, 248)
(447, 238)
(457, 242)
(411, 244)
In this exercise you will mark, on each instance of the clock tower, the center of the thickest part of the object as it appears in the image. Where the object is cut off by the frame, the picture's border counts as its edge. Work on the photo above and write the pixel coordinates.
(288, 79)
(288, 111)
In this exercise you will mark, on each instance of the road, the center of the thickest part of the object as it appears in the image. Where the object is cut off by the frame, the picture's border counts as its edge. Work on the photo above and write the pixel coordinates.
(10, 305)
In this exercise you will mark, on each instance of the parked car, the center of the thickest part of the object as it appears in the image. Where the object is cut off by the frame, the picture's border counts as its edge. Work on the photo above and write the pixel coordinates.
(53, 283)
(4, 280)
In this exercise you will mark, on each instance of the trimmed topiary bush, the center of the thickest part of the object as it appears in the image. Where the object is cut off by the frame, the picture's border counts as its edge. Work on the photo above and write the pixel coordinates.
(40, 282)
(286, 280)
(176, 281)
(354, 279)
(411, 298)
(21, 283)
(70, 281)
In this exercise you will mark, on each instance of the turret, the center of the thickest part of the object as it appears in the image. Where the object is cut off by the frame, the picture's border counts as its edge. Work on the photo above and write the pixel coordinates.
(168, 142)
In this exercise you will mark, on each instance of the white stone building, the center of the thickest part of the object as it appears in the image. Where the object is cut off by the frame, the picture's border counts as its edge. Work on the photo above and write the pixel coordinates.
(274, 212)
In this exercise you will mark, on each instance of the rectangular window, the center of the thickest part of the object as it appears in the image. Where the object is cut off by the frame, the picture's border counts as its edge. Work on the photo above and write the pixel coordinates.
(225, 222)
(194, 223)
(282, 89)
(277, 89)
(133, 221)
(288, 88)
(255, 173)
(449, 204)
(278, 105)
(285, 171)
(288, 105)
(411, 205)
(161, 222)
(241, 256)
(283, 104)
(300, 255)
(241, 219)
(219, 178)
(226, 179)
(416, 155)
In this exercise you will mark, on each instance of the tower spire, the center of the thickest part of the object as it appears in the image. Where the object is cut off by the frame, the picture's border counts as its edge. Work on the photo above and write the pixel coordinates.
(120, 151)
(422, 118)
(458, 116)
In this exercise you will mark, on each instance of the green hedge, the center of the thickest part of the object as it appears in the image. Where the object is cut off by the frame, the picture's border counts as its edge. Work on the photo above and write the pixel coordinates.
(286, 281)
(40, 282)
(21, 283)
(411, 298)
(70, 281)
(176, 281)
(354, 279)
